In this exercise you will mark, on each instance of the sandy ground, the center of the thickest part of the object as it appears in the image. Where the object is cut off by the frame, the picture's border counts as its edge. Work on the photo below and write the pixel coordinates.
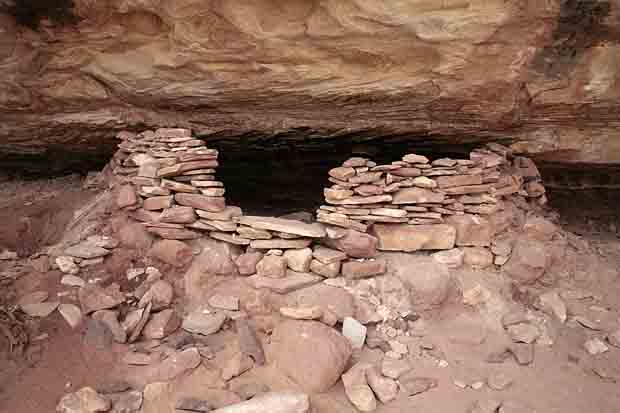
(563, 378)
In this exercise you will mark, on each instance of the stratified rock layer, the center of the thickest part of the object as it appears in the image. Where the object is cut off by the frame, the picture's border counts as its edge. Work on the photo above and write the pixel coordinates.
(544, 76)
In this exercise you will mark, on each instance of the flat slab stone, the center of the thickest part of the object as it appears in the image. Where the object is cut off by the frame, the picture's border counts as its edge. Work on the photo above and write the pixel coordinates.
(407, 238)
(86, 250)
(284, 225)
(293, 281)
(458, 180)
(417, 195)
(203, 202)
(279, 243)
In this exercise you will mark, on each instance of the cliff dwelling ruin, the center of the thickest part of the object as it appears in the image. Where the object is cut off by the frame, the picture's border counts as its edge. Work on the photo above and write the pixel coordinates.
(309, 206)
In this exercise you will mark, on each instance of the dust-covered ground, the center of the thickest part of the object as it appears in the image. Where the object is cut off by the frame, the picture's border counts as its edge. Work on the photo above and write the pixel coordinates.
(457, 344)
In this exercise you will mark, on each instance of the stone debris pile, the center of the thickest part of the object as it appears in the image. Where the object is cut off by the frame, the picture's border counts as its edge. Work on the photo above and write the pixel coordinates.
(417, 204)
(170, 185)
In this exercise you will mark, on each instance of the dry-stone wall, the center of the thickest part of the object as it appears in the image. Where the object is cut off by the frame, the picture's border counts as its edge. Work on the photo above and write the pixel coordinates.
(415, 204)
(169, 184)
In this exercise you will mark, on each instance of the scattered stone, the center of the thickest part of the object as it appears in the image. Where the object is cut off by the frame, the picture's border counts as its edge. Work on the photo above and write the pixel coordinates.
(35, 297)
(71, 313)
(302, 313)
(85, 400)
(294, 340)
(587, 323)
(203, 322)
(67, 265)
(293, 281)
(552, 304)
(354, 331)
(247, 391)
(299, 260)
(175, 365)
(613, 338)
(40, 309)
(523, 333)
(528, 262)
(514, 407)
(499, 381)
(72, 281)
(126, 402)
(514, 317)
(413, 385)
(134, 273)
(523, 353)
(173, 252)
(451, 258)
(484, 406)
(394, 368)
(161, 325)
(134, 358)
(97, 335)
(357, 389)
(86, 250)
(160, 295)
(272, 266)
(224, 302)
(280, 402)
(109, 318)
(191, 405)
(595, 346)
(144, 318)
(364, 269)
(91, 262)
(237, 365)
(385, 389)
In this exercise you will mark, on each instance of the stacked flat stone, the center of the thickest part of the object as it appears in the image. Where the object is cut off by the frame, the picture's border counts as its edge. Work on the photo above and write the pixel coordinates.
(171, 185)
(414, 204)
(265, 233)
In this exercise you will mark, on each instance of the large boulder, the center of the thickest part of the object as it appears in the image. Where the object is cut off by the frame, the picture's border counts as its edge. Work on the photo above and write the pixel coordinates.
(428, 281)
(311, 353)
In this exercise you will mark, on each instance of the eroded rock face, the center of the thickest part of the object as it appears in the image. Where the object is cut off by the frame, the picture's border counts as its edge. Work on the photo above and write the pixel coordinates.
(545, 75)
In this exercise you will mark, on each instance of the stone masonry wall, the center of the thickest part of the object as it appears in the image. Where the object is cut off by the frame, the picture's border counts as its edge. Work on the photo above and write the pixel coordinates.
(168, 183)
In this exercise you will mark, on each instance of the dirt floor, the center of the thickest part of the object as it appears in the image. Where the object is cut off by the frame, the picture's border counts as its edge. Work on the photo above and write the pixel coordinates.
(564, 378)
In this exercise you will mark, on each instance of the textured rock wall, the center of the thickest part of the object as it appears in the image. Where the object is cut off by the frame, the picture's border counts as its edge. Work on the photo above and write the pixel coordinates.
(542, 75)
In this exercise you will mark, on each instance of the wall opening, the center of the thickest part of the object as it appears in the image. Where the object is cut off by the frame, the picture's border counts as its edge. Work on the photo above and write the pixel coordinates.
(277, 180)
